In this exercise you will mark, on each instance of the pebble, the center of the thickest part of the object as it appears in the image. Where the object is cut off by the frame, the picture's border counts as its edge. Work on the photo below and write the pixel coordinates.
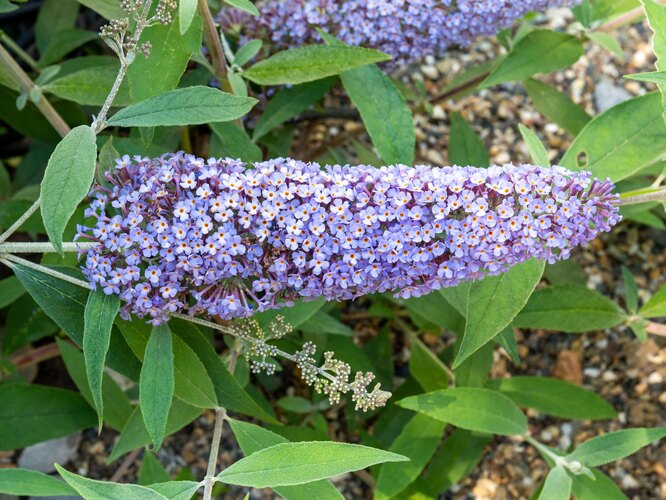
(609, 376)
(42, 456)
(655, 378)
(607, 94)
(430, 72)
(592, 372)
(629, 482)
(438, 112)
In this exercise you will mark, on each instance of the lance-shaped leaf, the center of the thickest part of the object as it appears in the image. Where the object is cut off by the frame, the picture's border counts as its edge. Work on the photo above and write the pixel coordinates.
(470, 408)
(100, 312)
(189, 106)
(156, 384)
(309, 63)
(67, 179)
(288, 464)
(91, 488)
(25, 482)
(615, 445)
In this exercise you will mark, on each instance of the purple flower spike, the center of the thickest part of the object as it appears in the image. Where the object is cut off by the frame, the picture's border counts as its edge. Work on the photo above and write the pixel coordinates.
(408, 30)
(222, 238)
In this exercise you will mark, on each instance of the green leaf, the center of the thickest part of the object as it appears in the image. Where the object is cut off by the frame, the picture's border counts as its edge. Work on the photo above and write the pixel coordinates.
(192, 383)
(65, 303)
(426, 368)
(186, 11)
(67, 179)
(658, 77)
(54, 16)
(117, 408)
(417, 441)
(10, 290)
(474, 409)
(615, 445)
(109, 9)
(435, 309)
(656, 16)
(189, 106)
(630, 290)
(656, 306)
(156, 384)
(230, 394)
(246, 52)
(311, 62)
(322, 322)
(294, 315)
(25, 482)
(557, 106)
(534, 146)
(540, 51)
(134, 435)
(505, 295)
(473, 372)
(100, 313)
(231, 141)
(602, 487)
(465, 145)
(607, 41)
(384, 111)
(170, 52)
(554, 397)
(455, 459)
(25, 323)
(176, 490)
(621, 141)
(89, 86)
(244, 5)
(38, 413)
(151, 470)
(569, 308)
(557, 485)
(507, 339)
(289, 464)
(289, 102)
(63, 43)
(90, 488)
(7, 6)
(252, 438)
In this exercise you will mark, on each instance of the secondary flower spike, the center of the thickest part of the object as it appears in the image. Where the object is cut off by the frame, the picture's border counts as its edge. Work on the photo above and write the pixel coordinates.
(222, 238)
(408, 30)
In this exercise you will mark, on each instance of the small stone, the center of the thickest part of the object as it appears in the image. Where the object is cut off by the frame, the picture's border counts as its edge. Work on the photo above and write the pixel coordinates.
(438, 112)
(629, 482)
(430, 72)
(607, 95)
(608, 376)
(592, 372)
(42, 456)
(655, 378)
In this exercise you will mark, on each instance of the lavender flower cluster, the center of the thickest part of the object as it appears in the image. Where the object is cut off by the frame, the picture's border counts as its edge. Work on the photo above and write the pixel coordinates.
(218, 237)
(406, 29)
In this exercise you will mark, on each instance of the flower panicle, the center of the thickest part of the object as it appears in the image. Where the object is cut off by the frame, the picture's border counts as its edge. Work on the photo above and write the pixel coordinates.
(408, 30)
(180, 234)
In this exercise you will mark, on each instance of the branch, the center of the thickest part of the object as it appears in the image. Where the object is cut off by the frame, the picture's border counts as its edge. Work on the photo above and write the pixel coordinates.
(214, 44)
(24, 82)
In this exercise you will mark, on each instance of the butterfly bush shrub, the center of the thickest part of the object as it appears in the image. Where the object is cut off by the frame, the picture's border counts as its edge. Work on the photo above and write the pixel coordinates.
(334, 302)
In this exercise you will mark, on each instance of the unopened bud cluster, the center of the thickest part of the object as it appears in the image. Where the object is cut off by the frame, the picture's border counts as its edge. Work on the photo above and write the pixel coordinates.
(332, 378)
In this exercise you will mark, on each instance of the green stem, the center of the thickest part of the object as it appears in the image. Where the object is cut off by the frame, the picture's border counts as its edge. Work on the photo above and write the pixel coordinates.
(45, 247)
(209, 481)
(24, 82)
(19, 222)
(9, 260)
(22, 54)
(214, 44)
(645, 196)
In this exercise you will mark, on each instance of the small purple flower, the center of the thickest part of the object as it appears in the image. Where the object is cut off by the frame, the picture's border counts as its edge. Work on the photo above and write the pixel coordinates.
(408, 30)
(241, 239)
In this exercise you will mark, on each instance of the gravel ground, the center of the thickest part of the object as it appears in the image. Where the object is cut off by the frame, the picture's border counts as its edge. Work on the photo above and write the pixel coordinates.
(612, 363)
